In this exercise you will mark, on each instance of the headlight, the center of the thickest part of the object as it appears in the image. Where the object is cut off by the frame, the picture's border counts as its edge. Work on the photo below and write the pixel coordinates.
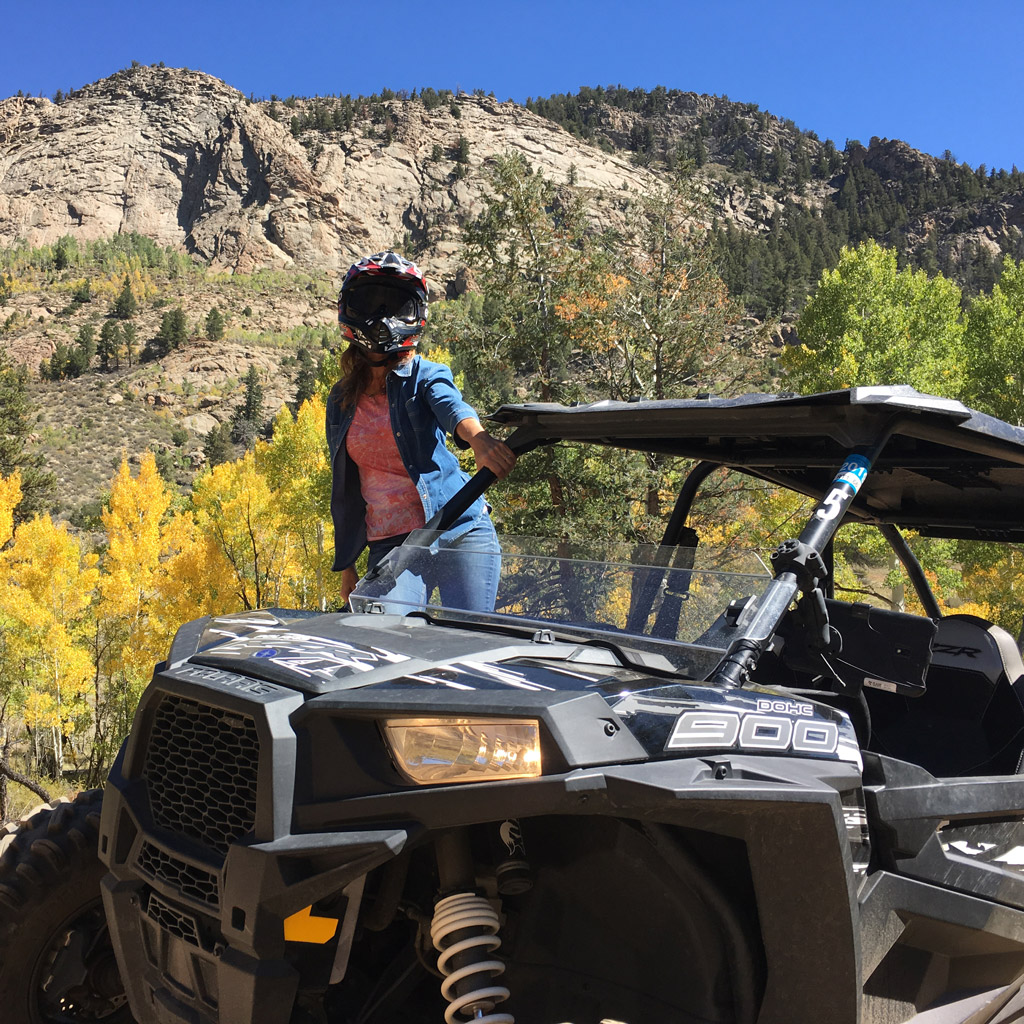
(436, 750)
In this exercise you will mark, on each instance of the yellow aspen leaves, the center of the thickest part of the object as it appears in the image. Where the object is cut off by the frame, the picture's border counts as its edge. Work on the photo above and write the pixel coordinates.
(10, 495)
(239, 511)
(132, 565)
(46, 584)
(297, 468)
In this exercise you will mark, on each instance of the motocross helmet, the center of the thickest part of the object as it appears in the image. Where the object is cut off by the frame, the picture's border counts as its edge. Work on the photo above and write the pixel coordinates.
(383, 304)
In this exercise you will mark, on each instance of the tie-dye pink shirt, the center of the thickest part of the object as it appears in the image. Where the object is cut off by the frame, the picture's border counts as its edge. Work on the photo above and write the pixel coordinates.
(393, 505)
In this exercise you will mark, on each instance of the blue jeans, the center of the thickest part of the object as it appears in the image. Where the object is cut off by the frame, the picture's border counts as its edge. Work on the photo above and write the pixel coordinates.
(468, 580)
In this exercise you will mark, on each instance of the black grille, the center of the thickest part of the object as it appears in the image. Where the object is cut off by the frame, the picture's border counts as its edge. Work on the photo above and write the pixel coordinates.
(188, 879)
(201, 767)
(173, 921)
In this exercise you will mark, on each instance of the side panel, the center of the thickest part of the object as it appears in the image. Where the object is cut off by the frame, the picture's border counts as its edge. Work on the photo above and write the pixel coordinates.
(943, 922)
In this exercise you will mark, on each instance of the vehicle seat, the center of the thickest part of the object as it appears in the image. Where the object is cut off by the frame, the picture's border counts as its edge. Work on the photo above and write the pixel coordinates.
(970, 719)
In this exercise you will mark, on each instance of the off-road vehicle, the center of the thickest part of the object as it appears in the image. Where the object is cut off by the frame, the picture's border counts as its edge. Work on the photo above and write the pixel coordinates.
(672, 787)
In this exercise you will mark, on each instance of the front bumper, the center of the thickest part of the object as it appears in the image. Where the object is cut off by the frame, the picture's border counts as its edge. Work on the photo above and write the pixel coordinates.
(197, 919)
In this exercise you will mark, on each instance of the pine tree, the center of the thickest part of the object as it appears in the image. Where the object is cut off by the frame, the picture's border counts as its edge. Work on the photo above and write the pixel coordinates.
(109, 347)
(305, 379)
(173, 331)
(130, 335)
(65, 252)
(214, 324)
(179, 327)
(248, 422)
(217, 446)
(81, 356)
(125, 306)
(16, 410)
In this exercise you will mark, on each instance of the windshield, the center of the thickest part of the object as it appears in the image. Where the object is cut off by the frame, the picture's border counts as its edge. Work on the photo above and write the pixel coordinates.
(644, 599)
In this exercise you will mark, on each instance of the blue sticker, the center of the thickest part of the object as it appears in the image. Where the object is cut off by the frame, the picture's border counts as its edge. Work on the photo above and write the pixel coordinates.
(267, 652)
(854, 472)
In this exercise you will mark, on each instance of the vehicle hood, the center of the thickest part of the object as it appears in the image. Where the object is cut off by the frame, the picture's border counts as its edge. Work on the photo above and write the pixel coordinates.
(317, 654)
(390, 659)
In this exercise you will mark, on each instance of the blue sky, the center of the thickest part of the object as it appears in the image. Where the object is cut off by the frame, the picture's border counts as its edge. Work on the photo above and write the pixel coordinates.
(937, 74)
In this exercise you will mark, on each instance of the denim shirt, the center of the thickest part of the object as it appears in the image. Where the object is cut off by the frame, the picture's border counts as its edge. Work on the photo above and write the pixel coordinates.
(424, 405)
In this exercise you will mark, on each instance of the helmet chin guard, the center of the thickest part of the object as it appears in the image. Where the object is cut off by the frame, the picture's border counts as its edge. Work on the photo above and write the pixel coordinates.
(383, 304)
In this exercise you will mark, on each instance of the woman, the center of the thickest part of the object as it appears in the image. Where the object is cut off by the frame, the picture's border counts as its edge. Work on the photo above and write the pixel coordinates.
(386, 424)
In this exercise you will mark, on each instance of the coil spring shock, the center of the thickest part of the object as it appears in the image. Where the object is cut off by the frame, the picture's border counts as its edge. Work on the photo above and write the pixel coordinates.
(461, 913)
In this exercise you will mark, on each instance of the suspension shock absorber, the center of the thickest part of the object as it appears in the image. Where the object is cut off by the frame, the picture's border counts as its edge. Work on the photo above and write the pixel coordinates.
(464, 931)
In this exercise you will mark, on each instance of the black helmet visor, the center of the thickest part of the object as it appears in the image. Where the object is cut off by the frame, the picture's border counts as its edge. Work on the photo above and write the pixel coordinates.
(376, 299)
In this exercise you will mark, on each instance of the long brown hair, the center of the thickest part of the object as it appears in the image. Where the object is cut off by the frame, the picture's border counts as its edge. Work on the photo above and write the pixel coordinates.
(356, 372)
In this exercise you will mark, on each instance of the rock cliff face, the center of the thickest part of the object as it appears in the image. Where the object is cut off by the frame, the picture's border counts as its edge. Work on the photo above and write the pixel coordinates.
(183, 158)
(177, 156)
(190, 162)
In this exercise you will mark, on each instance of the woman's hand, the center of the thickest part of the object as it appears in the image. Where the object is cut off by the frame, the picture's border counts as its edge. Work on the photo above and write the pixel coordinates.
(489, 452)
(349, 579)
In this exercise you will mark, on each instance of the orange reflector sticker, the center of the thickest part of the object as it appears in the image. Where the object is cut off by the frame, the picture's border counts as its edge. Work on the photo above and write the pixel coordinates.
(304, 927)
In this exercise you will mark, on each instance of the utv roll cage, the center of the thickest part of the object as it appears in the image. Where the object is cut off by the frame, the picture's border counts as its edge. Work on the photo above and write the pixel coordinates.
(886, 456)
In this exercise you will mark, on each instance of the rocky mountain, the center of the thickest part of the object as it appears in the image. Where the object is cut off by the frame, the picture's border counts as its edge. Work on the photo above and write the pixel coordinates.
(186, 160)
(239, 183)
(264, 202)
(795, 199)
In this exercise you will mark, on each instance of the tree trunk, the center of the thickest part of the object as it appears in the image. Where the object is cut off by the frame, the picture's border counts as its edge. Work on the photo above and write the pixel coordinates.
(557, 494)
(7, 772)
(897, 599)
(4, 806)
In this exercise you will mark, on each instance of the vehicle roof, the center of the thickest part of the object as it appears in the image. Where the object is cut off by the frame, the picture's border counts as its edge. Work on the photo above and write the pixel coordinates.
(946, 470)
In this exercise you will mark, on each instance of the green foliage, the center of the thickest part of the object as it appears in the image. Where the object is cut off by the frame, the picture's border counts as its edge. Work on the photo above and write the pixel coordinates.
(995, 347)
(523, 246)
(173, 332)
(214, 324)
(53, 368)
(82, 354)
(82, 292)
(861, 197)
(249, 419)
(166, 464)
(305, 379)
(130, 339)
(564, 315)
(65, 252)
(125, 306)
(268, 282)
(109, 346)
(16, 411)
(217, 446)
(675, 315)
(870, 323)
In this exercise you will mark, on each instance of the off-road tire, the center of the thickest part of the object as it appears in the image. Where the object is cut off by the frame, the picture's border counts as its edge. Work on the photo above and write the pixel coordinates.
(56, 961)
